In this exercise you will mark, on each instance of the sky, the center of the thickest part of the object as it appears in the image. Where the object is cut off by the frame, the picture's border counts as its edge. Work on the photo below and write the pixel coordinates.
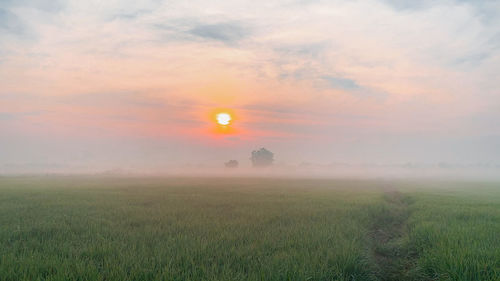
(96, 85)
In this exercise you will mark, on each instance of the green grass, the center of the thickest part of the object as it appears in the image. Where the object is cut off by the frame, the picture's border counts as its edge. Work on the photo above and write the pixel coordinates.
(102, 228)
(455, 232)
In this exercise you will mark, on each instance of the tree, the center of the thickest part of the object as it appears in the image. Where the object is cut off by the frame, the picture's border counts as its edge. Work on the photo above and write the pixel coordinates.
(231, 164)
(262, 158)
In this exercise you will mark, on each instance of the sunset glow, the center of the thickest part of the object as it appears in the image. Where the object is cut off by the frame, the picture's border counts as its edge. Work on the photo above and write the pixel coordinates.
(223, 119)
(220, 78)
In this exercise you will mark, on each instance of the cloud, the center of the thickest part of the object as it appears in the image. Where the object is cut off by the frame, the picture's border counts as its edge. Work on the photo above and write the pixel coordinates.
(6, 116)
(11, 23)
(228, 32)
(306, 49)
(115, 99)
(406, 5)
(341, 83)
(130, 15)
(50, 6)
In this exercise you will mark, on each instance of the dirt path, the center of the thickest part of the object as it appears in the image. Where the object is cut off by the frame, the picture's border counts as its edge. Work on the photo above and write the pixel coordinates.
(389, 228)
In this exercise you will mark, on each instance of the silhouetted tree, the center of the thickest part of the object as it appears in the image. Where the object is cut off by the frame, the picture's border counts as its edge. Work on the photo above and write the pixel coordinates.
(231, 164)
(262, 158)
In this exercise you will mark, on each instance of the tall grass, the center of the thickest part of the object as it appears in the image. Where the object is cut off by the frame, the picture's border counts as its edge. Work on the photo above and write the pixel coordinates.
(146, 229)
(97, 228)
(455, 232)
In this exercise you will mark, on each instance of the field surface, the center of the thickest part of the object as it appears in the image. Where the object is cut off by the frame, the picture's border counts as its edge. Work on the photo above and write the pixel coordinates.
(104, 228)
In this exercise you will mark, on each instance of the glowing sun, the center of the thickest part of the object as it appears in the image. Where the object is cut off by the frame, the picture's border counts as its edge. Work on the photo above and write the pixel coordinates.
(223, 118)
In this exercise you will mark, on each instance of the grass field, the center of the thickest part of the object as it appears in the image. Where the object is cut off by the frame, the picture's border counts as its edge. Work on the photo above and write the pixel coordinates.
(103, 228)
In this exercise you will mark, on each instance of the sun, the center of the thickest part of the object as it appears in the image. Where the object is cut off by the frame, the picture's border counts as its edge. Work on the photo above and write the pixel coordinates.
(223, 118)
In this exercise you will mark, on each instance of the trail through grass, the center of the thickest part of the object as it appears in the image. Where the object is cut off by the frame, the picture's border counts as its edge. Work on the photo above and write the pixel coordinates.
(388, 231)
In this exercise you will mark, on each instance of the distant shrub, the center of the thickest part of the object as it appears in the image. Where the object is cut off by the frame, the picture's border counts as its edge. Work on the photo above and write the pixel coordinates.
(231, 164)
(262, 158)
